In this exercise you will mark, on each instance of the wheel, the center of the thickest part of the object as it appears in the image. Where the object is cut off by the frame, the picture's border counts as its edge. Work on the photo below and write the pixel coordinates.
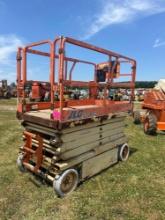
(19, 163)
(150, 124)
(66, 182)
(136, 117)
(124, 152)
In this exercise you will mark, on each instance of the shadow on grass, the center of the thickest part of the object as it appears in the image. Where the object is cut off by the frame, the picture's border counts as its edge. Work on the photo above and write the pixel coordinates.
(38, 181)
(132, 151)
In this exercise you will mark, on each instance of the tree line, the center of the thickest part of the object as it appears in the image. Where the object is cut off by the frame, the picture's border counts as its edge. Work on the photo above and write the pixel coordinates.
(145, 84)
(138, 84)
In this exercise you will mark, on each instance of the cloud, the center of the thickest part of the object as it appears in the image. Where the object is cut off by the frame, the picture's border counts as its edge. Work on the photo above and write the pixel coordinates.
(117, 11)
(158, 43)
(8, 48)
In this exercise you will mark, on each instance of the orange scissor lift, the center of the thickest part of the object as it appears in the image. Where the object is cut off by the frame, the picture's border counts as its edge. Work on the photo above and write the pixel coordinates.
(68, 140)
(152, 114)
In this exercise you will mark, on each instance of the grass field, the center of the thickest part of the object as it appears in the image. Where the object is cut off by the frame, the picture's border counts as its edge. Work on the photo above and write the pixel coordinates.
(131, 190)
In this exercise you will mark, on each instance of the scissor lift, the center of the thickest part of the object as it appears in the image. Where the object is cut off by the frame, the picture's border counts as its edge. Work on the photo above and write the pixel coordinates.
(68, 140)
(152, 114)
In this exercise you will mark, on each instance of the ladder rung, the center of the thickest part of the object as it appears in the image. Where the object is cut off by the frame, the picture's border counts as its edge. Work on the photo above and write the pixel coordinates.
(29, 150)
(26, 133)
(31, 168)
(28, 166)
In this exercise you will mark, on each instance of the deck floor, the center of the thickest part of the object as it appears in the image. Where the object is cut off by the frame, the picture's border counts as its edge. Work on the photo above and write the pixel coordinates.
(47, 112)
(40, 113)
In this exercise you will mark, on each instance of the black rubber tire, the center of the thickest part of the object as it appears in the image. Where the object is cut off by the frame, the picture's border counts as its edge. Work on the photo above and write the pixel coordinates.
(124, 152)
(136, 117)
(150, 124)
(19, 163)
(61, 180)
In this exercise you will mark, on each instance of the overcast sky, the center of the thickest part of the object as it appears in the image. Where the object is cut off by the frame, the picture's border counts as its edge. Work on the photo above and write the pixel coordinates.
(135, 28)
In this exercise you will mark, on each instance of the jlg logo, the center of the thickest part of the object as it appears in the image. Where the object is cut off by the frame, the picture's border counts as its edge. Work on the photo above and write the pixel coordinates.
(75, 114)
(80, 114)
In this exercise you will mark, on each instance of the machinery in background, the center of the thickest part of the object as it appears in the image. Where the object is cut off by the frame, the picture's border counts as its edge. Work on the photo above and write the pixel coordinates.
(139, 97)
(40, 91)
(152, 114)
(4, 90)
(13, 90)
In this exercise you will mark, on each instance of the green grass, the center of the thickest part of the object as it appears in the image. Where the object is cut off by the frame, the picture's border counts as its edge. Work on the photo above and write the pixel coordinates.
(131, 190)
(11, 101)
